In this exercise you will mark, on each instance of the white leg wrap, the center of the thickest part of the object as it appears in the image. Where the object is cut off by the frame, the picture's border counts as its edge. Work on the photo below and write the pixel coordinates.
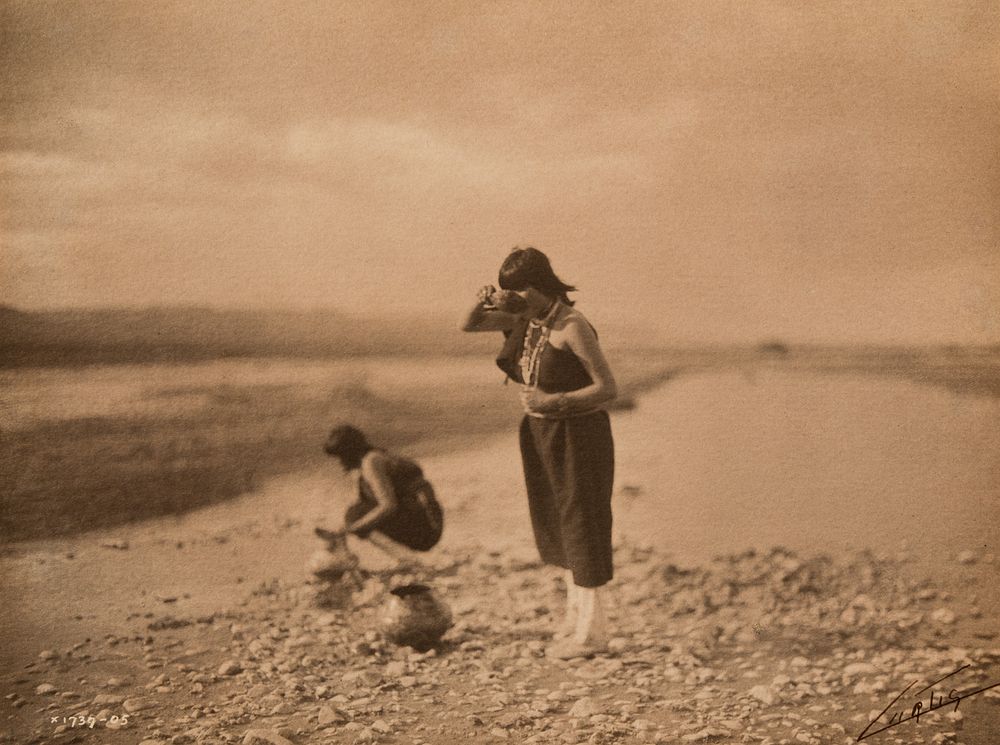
(591, 624)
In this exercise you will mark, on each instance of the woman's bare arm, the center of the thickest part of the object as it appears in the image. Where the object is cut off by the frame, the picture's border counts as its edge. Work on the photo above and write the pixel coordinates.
(375, 471)
(483, 316)
(578, 337)
(582, 341)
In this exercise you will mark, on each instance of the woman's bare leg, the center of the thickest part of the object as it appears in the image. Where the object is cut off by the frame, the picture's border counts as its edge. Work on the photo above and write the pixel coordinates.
(568, 626)
(591, 623)
(590, 633)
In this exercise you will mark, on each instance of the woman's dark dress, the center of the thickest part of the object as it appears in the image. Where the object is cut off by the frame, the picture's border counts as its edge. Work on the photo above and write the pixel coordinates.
(569, 468)
(417, 522)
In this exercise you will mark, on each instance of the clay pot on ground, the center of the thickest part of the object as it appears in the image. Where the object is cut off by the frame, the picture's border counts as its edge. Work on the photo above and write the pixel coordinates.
(413, 615)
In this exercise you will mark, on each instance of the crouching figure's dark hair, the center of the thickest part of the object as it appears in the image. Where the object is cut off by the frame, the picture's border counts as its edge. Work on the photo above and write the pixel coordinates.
(347, 443)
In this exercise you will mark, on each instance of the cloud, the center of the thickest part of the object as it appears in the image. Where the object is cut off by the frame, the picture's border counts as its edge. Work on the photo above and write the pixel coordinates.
(724, 155)
(388, 148)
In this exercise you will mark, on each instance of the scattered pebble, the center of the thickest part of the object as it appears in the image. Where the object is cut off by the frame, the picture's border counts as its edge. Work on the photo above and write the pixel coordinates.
(967, 557)
(264, 737)
(133, 705)
(583, 708)
(230, 667)
(943, 615)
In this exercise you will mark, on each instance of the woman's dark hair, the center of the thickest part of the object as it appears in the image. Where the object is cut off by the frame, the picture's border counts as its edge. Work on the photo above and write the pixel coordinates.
(349, 444)
(529, 267)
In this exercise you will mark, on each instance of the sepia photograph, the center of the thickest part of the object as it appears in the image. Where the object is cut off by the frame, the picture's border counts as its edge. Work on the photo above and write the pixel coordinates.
(547, 372)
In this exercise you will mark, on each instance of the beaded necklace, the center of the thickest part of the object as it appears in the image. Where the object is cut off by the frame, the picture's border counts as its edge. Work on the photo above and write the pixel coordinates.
(531, 350)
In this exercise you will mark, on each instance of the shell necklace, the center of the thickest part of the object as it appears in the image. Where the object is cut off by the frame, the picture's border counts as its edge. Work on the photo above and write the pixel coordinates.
(531, 350)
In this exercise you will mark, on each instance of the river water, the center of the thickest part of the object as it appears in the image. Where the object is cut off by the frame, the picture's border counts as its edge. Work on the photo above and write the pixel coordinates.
(709, 462)
(721, 462)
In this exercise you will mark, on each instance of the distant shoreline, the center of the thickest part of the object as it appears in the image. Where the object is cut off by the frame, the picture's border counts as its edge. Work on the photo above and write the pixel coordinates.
(109, 336)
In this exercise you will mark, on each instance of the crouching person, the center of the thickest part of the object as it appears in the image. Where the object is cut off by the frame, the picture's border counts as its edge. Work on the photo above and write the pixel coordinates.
(394, 501)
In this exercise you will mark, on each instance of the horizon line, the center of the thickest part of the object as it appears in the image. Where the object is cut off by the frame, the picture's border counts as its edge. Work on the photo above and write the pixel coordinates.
(761, 339)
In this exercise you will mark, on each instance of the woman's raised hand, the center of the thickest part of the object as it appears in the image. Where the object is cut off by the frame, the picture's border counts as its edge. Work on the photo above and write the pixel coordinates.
(485, 294)
(486, 314)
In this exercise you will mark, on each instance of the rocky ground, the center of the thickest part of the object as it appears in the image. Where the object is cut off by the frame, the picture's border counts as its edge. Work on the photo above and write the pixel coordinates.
(768, 647)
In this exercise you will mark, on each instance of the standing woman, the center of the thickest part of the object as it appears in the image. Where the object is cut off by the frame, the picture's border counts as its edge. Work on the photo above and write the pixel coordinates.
(565, 436)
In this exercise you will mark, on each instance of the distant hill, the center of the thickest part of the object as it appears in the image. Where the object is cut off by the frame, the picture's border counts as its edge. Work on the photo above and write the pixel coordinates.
(81, 337)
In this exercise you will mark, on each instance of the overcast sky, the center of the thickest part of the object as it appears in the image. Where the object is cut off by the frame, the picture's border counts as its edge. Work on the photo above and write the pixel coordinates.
(721, 170)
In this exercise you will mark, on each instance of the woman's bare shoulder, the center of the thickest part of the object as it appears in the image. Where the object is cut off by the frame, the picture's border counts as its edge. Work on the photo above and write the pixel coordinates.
(376, 459)
(572, 330)
(572, 321)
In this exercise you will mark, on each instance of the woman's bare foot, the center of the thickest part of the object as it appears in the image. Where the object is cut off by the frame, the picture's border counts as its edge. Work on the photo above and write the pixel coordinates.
(571, 649)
